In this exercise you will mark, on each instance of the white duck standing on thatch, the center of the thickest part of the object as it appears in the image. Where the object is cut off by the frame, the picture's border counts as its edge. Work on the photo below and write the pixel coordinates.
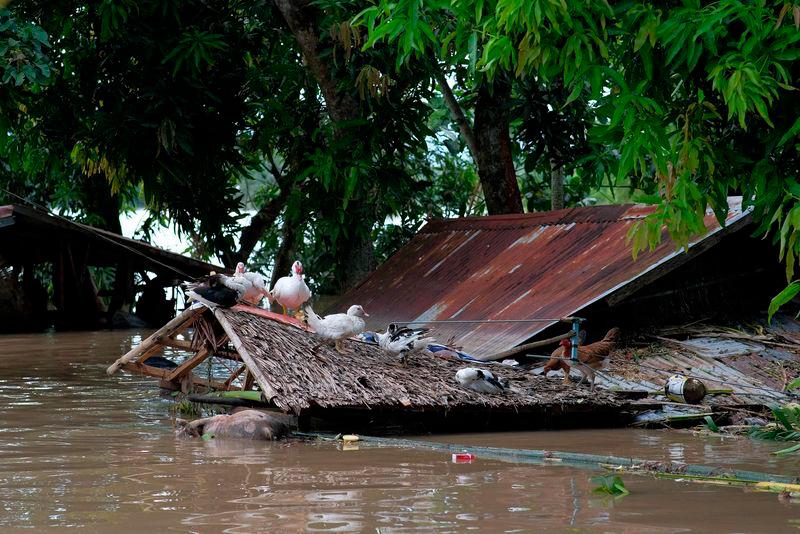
(337, 326)
(253, 285)
(291, 292)
(481, 380)
(403, 340)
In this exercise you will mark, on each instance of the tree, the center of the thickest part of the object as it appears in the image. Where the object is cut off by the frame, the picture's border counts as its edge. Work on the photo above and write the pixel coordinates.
(693, 97)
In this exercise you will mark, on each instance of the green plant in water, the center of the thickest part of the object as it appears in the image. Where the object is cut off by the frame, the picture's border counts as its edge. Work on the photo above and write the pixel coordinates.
(610, 484)
(187, 408)
(710, 424)
(785, 428)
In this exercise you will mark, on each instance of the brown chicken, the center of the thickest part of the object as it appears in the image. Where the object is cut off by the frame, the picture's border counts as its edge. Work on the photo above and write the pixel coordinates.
(590, 356)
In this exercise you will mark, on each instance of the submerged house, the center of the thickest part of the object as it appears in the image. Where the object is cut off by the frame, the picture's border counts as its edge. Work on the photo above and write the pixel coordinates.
(38, 249)
(492, 284)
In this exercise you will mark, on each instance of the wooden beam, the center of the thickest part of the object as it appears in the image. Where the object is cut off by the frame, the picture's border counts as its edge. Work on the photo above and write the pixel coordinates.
(178, 344)
(268, 392)
(248, 381)
(235, 375)
(155, 339)
(136, 367)
(209, 384)
(188, 365)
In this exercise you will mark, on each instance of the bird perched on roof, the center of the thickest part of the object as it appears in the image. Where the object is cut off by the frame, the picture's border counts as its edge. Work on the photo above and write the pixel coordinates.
(226, 291)
(481, 380)
(403, 340)
(215, 291)
(590, 357)
(338, 326)
(291, 292)
(253, 283)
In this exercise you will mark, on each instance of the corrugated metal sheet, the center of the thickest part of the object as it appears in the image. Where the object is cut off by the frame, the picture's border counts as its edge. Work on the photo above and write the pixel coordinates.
(756, 374)
(532, 266)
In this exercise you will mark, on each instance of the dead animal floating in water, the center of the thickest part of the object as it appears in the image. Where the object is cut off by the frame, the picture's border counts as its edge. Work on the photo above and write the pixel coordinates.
(246, 424)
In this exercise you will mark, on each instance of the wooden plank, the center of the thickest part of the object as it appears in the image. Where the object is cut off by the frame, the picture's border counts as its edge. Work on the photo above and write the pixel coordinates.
(178, 344)
(155, 339)
(248, 381)
(136, 367)
(266, 388)
(155, 349)
(209, 384)
(188, 365)
(235, 375)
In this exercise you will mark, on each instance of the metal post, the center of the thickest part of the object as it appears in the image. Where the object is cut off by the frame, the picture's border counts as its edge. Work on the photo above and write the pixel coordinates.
(576, 330)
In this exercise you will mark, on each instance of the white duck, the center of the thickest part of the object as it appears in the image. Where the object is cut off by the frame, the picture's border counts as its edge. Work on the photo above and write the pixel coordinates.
(337, 326)
(403, 341)
(481, 380)
(253, 285)
(291, 292)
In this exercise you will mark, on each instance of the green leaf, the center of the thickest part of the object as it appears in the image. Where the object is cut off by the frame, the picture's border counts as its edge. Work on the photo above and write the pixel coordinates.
(611, 484)
(788, 450)
(794, 384)
(788, 293)
(207, 436)
(712, 426)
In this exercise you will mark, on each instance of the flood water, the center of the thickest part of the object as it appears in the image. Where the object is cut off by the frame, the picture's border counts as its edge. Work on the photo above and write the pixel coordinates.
(81, 449)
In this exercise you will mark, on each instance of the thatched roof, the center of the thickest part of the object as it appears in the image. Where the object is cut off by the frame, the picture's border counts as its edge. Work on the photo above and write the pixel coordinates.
(280, 356)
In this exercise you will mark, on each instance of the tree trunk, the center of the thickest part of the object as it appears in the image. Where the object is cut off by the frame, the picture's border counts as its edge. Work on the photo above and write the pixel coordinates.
(456, 113)
(495, 162)
(356, 257)
(556, 185)
(302, 19)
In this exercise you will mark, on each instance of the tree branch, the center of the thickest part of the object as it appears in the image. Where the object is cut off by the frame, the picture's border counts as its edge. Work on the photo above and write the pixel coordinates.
(456, 112)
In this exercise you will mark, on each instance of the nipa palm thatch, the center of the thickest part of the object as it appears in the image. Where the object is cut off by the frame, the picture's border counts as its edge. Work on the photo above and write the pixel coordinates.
(277, 357)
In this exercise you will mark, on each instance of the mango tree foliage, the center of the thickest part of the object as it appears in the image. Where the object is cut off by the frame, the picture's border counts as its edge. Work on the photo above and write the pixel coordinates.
(696, 97)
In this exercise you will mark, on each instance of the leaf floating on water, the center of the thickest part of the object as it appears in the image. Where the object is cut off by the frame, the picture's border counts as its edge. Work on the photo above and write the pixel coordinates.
(610, 484)
(207, 436)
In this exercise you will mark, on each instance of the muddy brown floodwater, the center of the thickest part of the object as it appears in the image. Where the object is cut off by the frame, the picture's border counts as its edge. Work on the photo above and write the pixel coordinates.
(81, 449)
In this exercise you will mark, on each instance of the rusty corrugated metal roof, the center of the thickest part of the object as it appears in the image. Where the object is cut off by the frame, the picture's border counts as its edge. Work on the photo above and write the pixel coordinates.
(531, 266)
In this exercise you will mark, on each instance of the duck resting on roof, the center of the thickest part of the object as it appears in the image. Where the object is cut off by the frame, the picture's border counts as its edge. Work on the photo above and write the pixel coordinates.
(338, 326)
(481, 380)
(221, 290)
(215, 290)
(403, 341)
(254, 286)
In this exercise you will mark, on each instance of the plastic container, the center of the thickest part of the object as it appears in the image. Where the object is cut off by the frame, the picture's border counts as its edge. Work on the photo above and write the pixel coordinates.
(463, 457)
(683, 389)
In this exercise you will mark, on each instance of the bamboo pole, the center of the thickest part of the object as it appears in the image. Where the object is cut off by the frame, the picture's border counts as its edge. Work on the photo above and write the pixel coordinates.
(593, 461)
(269, 392)
(188, 365)
(155, 339)
(522, 348)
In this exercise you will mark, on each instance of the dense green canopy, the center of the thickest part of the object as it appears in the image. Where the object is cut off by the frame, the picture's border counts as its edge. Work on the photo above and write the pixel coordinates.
(344, 124)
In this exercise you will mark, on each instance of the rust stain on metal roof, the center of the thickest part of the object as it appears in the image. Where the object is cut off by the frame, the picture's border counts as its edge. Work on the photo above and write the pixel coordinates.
(528, 266)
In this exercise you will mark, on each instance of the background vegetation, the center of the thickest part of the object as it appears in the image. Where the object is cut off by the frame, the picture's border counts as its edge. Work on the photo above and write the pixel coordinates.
(343, 125)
